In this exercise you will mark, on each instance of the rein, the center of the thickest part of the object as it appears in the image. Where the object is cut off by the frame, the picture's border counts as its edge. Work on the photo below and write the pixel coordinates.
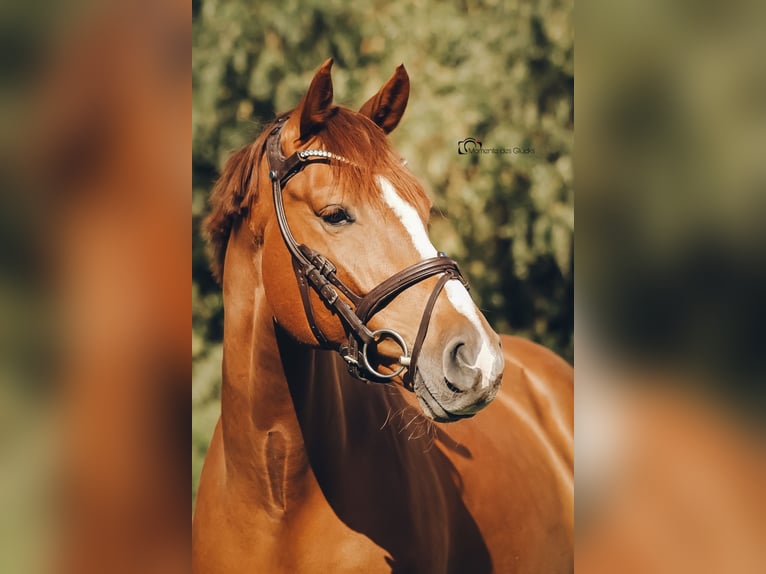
(315, 271)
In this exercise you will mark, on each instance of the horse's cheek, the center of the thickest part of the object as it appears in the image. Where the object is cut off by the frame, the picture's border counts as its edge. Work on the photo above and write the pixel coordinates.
(281, 289)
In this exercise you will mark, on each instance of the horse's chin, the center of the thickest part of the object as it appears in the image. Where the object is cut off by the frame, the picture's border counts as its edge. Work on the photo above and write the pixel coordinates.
(437, 409)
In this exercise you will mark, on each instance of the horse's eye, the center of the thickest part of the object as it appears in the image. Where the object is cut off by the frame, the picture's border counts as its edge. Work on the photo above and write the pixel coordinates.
(335, 215)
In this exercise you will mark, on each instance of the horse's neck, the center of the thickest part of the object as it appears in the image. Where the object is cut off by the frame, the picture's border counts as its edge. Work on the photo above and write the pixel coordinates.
(263, 442)
(284, 404)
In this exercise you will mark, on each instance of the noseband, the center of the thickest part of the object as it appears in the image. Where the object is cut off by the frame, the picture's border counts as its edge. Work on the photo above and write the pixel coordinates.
(314, 271)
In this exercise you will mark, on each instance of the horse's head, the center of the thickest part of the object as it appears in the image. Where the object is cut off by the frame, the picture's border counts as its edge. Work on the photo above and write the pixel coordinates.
(348, 221)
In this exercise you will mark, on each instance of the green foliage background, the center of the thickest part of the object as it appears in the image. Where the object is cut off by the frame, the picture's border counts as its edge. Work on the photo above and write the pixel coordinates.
(498, 71)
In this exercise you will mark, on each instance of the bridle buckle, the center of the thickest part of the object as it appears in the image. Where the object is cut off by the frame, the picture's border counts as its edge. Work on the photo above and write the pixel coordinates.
(329, 294)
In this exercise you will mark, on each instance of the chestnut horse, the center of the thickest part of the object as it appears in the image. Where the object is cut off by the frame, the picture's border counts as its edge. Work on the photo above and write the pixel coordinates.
(310, 469)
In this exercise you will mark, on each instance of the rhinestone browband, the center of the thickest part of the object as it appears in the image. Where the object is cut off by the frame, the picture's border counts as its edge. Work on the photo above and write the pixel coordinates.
(305, 154)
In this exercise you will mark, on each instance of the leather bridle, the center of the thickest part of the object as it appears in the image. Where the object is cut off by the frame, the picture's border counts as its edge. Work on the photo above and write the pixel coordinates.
(315, 271)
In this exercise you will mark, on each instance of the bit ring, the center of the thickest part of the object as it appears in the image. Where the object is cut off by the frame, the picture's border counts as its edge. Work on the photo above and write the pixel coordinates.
(380, 335)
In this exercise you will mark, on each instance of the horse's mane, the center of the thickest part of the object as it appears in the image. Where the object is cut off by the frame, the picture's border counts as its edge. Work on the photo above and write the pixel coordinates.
(346, 133)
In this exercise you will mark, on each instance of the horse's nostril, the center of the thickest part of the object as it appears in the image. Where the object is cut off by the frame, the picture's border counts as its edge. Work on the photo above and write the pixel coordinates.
(460, 373)
(459, 354)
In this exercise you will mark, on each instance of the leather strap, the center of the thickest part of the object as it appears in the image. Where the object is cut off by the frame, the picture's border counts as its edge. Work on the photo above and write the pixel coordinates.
(308, 308)
(379, 297)
(409, 377)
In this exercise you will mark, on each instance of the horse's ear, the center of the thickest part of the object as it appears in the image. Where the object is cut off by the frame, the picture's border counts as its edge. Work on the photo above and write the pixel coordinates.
(317, 106)
(387, 107)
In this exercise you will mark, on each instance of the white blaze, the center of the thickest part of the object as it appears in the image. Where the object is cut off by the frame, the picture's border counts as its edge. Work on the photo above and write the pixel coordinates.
(456, 292)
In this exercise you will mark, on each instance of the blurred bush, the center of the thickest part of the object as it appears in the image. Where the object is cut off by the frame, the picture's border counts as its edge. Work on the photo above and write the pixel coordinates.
(671, 262)
(94, 368)
(671, 275)
(500, 72)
